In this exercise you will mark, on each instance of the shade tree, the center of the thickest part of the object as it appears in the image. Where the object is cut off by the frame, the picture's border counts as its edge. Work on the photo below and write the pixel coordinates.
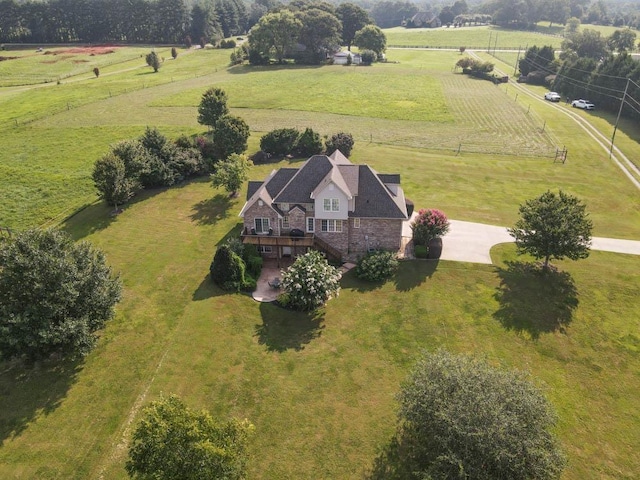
(231, 173)
(353, 18)
(55, 294)
(461, 417)
(371, 38)
(213, 105)
(553, 226)
(172, 441)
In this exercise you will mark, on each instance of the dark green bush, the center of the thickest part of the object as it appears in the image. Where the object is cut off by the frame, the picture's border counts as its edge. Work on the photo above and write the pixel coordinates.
(250, 284)
(254, 266)
(281, 141)
(420, 251)
(227, 269)
(376, 266)
(231, 43)
(340, 141)
(250, 251)
(309, 143)
(368, 57)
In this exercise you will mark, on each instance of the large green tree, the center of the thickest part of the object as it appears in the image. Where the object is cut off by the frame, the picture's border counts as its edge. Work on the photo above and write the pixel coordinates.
(172, 441)
(553, 226)
(320, 34)
(371, 38)
(622, 41)
(387, 14)
(588, 43)
(353, 18)
(153, 60)
(213, 105)
(461, 418)
(111, 180)
(275, 33)
(231, 173)
(54, 295)
(230, 136)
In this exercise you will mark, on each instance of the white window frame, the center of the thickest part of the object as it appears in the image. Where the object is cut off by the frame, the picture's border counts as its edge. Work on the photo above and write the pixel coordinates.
(331, 204)
(285, 222)
(262, 223)
(311, 222)
(331, 226)
(265, 249)
(356, 222)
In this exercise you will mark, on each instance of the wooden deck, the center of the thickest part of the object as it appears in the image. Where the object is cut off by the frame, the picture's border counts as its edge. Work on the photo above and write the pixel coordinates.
(279, 240)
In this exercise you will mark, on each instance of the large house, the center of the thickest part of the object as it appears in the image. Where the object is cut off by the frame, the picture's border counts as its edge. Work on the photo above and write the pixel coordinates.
(329, 204)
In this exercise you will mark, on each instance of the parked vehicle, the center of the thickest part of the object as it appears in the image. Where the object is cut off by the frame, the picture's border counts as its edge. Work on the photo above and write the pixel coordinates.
(552, 96)
(584, 104)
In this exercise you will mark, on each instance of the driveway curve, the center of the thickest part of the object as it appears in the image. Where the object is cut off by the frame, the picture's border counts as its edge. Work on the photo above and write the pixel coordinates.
(472, 242)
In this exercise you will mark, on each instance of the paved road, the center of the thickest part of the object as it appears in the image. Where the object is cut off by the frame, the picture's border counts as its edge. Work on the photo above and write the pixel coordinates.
(472, 242)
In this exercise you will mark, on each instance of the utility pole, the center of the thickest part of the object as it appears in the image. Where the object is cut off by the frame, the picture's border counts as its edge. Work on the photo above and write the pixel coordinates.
(489, 47)
(515, 67)
(626, 88)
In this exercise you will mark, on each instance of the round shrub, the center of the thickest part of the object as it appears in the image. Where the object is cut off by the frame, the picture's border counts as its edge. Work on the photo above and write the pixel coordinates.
(310, 282)
(429, 224)
(340, 141)
(281, 141)
(309, 143)
(376, 266)
(227, 269)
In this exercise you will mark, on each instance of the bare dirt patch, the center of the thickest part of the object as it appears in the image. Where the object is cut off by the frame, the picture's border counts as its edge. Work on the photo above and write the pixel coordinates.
(2, 59)
(95, 50)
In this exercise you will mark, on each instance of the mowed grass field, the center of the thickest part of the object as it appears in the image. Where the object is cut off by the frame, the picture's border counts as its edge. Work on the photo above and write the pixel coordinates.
(320, 390)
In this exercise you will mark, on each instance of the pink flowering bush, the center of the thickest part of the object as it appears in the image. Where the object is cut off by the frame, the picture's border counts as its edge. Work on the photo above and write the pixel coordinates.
(429, 224)
(309, 282)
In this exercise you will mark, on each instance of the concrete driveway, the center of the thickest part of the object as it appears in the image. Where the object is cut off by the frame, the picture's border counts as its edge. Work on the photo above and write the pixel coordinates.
(472, 242)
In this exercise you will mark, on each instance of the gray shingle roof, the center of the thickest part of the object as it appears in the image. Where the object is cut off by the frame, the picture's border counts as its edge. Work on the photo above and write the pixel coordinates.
(374, 200)
(279, 180)
(253, 188)
(393, 178)
(299, 188)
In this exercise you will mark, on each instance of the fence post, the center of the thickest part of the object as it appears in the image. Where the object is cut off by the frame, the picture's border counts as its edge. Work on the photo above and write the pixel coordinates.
(545, 124)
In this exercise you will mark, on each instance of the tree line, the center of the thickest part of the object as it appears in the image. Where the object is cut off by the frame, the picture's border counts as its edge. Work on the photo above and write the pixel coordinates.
(591, 66)
(126, 21)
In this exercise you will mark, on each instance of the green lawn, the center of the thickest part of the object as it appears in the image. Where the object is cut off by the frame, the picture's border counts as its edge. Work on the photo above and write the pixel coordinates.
(320, 390)
(478, 37)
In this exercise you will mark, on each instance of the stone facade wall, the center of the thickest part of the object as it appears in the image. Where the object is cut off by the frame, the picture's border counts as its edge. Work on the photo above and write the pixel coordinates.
(384, 234)
(297, 219)
(339, 240)
(262, 211)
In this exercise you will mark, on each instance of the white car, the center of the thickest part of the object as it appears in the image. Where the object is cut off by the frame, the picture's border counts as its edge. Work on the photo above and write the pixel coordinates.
(584, 104)
(552, 96)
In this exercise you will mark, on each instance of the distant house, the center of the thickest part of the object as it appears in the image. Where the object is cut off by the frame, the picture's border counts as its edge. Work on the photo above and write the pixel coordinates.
(342, 58)
(424, 20)
(329, 204)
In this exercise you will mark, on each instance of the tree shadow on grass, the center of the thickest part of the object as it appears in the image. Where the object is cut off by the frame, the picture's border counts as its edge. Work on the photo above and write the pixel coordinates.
(98, 215)
(208, 289)
(212, 210)
(413, 273)
(392, 462)
(244, 69)
(28, 392)
(535, 301)
(352, 282)
(283, 329)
